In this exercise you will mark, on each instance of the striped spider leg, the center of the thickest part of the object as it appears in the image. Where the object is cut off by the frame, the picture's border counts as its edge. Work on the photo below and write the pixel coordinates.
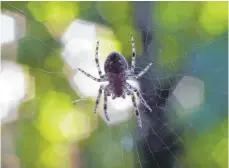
(141, 73)
(97, 60)
(102, 77)
(133, 99)
(132, 67)
(139, 95)
(106, 94)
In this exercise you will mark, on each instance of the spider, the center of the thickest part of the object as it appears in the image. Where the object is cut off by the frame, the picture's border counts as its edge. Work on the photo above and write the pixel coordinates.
(117, 73)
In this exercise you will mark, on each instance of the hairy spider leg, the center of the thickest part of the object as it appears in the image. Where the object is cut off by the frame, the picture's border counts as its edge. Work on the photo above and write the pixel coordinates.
(113, 96)
(133, 55)
(92, 77)
(105, 104)
(142, 72)
(129, 86)
(123, 95)
(97, 60)
(98, 97)
(127, 91)
(133, 98)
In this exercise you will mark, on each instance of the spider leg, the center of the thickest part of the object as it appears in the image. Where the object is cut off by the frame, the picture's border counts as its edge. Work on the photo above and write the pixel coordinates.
(139, 96)
(142, 72)
(98, 97)
(133, 55)
(133, 98)
(97, 60)
(92, 77)
(127, 91)
(105, 103)
(124, 95)
(113, 96)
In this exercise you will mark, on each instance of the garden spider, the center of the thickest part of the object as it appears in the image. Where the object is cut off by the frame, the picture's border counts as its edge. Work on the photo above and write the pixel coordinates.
(117, 73)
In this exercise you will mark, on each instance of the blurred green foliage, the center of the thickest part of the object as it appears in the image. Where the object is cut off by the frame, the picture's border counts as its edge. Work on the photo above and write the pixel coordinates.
(57, 15)
(180, 26)
(208, 149)
(116, 13)
(174, 16)
(218, 12)
(119, 15)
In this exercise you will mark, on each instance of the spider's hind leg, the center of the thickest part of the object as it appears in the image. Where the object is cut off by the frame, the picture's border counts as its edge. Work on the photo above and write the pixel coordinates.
(130, 87)
(98, 97)
(133, 98)
(106, 94)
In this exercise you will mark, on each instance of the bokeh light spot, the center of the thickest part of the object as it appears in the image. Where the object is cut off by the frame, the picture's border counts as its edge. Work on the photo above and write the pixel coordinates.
(55, 156)
(214, 17)
(8, 26)
(59, 121)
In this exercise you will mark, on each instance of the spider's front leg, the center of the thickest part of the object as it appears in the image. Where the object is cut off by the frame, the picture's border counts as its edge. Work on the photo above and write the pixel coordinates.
(97, 60)
(101, 79)
(133, 55)
(130, 87)
(142, 72)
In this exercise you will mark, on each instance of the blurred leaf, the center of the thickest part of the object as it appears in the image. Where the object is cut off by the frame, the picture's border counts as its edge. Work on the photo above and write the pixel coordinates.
(54, 107)
(37, 9)
(116, 13)
(204, 149)
(37, 29)
(15, 6)
(168, 52)
(28, 144)
(43, 83)
(123, 33)
(59, 121)
(214, 17)
(108, 41)
(54, 61)
(54, 64)
(174, 15)
(56, 15)
(32, 51)
(55, 156)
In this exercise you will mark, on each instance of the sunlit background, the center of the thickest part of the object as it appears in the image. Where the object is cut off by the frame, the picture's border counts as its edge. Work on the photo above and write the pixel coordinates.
(46, 106)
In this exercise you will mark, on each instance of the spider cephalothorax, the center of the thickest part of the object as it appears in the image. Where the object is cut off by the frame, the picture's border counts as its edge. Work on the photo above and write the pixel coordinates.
(117, 73)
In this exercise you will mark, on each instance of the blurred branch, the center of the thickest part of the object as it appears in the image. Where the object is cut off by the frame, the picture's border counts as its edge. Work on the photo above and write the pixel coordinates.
(156, 98)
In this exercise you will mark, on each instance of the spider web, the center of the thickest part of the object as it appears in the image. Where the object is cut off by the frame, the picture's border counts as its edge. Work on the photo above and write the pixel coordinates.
(157, 143)
(159, 136)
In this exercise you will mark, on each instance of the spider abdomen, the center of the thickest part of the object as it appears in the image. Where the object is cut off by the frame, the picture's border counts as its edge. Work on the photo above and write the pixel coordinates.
(117, 82)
